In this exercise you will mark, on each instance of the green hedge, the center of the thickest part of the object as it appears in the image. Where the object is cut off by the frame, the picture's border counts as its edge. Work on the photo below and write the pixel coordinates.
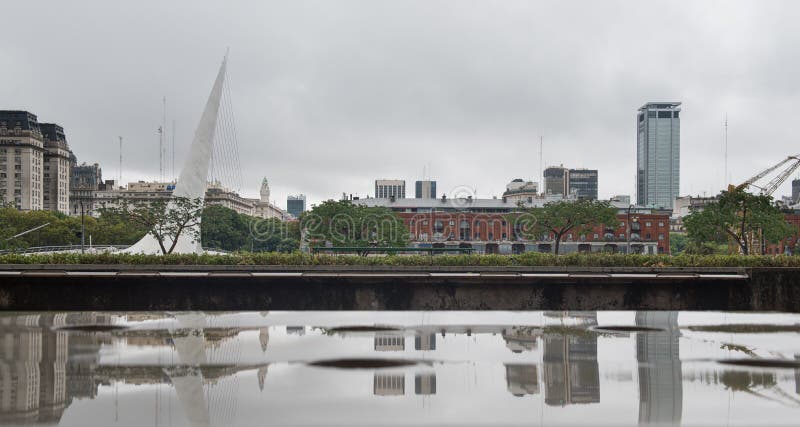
(527, 259)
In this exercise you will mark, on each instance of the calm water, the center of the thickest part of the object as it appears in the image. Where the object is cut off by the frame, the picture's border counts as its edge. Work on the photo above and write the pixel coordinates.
(411, 368)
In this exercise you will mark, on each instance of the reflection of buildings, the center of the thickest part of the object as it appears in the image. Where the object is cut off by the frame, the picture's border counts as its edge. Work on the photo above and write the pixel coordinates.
(390, 342)
(425, 384)
(296, 330)
(796, 371)
(522, 379)
(425, 342)
(521, 338)
(389, 384)
(42, 369)
(571, 373)
(660, 374)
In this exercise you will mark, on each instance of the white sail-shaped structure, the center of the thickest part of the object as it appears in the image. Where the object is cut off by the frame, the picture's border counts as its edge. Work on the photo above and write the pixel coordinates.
(194, 175)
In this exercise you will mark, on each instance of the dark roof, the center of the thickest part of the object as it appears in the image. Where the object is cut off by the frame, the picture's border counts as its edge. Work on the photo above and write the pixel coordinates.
(24, 119)
(52, 132)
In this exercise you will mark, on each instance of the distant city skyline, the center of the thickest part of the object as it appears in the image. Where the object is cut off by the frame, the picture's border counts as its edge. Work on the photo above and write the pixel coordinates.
(467, 90)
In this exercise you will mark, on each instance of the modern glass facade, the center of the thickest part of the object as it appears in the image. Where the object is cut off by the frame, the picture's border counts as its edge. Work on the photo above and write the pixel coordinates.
(658, 154)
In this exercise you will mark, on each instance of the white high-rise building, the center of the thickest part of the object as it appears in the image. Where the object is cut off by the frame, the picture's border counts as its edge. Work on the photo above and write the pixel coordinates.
(658, 154)
(387, 188)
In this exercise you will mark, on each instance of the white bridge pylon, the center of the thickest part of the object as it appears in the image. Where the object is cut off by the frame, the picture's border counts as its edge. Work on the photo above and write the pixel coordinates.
(194, 174)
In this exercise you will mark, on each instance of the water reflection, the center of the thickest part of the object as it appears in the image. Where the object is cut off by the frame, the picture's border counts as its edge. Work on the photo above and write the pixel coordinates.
(203, 369)
(660, 375)
(571, 374)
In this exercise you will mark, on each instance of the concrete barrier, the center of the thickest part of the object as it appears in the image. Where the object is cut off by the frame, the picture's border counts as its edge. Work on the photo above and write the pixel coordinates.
(142, 287)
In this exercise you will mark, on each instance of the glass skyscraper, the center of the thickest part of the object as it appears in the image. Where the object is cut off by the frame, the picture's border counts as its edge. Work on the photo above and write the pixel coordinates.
(658, 154)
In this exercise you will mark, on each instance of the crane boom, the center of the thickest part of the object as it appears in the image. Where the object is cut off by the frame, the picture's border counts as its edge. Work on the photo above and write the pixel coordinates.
(778, 180)
(764, 173)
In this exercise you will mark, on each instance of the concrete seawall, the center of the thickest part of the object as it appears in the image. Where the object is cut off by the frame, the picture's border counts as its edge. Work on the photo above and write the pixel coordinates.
(137, 287)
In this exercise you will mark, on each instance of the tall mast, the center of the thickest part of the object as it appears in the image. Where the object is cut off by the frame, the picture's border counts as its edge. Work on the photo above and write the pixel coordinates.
(725, 178)
(173, 151)
(541, 166)
(162, 129)
(120, 162)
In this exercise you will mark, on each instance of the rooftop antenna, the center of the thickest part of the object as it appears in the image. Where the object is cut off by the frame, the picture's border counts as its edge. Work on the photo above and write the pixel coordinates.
(119, 183)
(541, 167)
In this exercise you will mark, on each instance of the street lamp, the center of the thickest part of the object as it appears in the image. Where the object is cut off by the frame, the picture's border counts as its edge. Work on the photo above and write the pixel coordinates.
(628, 230)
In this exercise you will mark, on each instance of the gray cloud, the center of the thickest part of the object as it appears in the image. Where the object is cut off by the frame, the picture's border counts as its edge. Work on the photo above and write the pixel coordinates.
(331, 95)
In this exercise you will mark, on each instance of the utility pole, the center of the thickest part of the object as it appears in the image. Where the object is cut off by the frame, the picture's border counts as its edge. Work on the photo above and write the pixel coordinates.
(83, 230)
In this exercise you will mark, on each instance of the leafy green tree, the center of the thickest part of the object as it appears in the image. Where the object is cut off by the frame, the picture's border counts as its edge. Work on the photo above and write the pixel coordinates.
(343, 223)
(164, 219)
(677, 243)
(743, 217)
(562, 217)
(224, 228)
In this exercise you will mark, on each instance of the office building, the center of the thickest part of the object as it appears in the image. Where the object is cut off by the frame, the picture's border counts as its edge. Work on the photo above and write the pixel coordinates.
(296, 205)
(57, 163)
(390, 188)
(582, 184)
(35, 163)
(570, 183)
(425, 190)
(555, 180)
(795, 190)
(658, 154)
(21, 161)
(622, 198)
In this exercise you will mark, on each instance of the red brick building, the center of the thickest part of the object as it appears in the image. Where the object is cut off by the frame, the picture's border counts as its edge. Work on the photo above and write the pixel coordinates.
(492, 226)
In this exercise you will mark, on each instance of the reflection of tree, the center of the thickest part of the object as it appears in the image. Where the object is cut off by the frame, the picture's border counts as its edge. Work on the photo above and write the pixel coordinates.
(755, 384)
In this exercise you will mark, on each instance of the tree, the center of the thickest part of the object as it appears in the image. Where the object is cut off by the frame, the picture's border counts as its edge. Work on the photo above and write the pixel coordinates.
(561, 217)
(743, 217)
(164, 219)
(343, 223)
(677, 243)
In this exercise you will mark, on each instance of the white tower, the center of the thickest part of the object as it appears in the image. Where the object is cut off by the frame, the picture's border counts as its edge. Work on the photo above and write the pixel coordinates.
(264, 191)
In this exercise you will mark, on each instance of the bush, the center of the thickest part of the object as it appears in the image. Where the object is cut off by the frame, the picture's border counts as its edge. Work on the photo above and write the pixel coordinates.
(303, 259)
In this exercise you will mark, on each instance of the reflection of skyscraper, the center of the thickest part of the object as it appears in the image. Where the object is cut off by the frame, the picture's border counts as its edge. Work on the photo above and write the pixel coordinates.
(571, 373)
(389, 384)
(425, 342)
(425, 384)
(660, 373)
(390, 342)
(522, 379)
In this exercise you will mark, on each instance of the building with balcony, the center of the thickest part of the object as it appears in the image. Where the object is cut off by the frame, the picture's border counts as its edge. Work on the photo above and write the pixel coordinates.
(496, 226)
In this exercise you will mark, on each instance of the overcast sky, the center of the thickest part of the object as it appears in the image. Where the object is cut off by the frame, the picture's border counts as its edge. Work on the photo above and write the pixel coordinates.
(330, 95)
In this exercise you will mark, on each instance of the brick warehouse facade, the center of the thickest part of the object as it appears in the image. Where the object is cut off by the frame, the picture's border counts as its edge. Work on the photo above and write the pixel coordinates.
(649, 232)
